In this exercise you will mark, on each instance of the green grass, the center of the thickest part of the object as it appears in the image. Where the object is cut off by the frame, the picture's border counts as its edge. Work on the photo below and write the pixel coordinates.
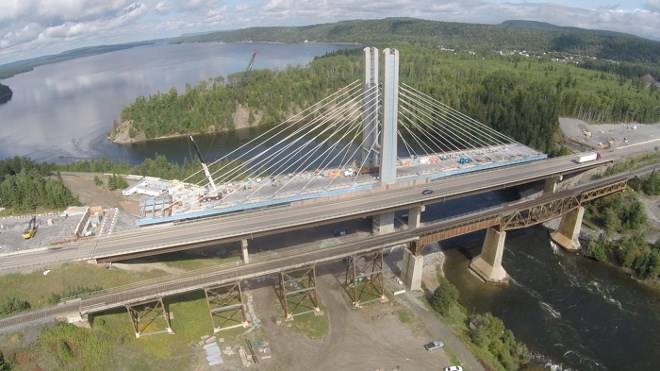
(37, 289)
(405, 316)
(307, 324)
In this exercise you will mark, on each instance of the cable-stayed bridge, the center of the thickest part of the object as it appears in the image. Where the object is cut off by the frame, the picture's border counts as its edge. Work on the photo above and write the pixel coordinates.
(369, 134)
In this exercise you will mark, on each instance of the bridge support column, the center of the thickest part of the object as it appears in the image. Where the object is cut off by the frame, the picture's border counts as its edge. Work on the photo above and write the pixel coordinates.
(488, 264)
(297, 292)
(383, 223)
(225, 303)
(244, 250)
(364, 278)
(550, 185)
(569, 230)
(145, 316)
(412, 269)
(414, 216)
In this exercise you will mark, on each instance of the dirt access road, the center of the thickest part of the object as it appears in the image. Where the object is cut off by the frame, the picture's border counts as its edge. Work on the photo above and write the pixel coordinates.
(369, 338)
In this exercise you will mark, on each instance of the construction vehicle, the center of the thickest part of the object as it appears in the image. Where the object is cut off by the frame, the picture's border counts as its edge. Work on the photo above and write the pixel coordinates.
(31, 229)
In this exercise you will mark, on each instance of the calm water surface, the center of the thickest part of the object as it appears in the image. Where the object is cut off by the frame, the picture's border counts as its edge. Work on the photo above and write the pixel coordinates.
(63, 111)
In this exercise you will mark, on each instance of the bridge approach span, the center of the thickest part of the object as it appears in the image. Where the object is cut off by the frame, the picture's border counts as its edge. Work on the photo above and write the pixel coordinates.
(265, 222)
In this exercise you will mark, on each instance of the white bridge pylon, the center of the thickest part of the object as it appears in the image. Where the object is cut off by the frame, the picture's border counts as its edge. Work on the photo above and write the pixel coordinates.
(366, 135)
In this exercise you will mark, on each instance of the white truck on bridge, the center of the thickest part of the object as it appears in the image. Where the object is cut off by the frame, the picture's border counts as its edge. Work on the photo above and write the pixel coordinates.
(587, 156)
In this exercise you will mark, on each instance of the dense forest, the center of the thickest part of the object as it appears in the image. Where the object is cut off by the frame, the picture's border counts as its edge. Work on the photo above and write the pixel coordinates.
(621, 217)
(519, 96)
(5, 93)
(25, 187)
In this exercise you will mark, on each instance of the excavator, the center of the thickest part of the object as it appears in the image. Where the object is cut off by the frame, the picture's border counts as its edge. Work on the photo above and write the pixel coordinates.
(31, 229)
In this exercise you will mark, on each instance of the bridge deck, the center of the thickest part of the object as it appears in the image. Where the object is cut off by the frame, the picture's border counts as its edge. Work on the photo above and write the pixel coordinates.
(263, 192)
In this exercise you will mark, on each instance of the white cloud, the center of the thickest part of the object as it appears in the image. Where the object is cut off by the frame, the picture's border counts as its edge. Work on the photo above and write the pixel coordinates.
(164, 7)
(35, 27)
(653, 5)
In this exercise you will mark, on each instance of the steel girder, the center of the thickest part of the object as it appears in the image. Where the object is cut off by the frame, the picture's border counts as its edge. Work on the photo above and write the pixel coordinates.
(552, 209)
(417, 247)
(603, 191)
(538, 214)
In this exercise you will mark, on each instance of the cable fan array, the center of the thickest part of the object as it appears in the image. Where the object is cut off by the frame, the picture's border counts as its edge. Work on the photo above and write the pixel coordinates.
(328, 140)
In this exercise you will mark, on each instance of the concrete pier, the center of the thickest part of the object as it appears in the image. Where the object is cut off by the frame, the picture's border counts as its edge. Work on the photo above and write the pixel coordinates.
(414, 216)
(569, 230)
(411, 270)
(550, 185)
(383, 223)
(244, 250)
(488, 264)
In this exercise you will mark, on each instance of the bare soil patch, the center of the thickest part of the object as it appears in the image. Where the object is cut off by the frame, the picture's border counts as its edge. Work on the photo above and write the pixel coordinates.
(603, 136)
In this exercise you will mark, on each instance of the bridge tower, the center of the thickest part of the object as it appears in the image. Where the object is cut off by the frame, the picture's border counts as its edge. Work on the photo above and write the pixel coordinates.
(371, 147)
(386, 144)
(390, 115)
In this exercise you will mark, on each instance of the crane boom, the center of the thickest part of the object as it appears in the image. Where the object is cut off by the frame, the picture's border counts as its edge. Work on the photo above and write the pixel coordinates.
(204, 167)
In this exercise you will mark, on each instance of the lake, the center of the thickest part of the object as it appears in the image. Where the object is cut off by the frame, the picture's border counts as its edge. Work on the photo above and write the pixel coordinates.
(62, 112)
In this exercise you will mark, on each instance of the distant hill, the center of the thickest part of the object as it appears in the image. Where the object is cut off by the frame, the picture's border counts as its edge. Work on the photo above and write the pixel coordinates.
(509, 35)
(11, 69)
(543, 26)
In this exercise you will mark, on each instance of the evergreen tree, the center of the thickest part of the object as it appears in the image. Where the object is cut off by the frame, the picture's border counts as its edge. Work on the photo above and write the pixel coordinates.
(444, 296)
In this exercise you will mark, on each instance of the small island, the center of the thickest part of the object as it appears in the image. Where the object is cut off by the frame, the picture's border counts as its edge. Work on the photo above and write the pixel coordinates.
(5, 94)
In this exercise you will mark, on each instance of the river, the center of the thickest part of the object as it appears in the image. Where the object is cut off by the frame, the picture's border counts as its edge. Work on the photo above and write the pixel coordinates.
(63, 111)
(582, 314)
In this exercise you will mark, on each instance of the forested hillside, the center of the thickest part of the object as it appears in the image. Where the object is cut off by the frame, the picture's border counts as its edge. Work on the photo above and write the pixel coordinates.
(461, 36)
(519, 96)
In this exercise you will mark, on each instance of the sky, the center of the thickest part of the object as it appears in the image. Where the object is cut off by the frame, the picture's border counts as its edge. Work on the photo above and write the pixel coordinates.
(31, 28)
